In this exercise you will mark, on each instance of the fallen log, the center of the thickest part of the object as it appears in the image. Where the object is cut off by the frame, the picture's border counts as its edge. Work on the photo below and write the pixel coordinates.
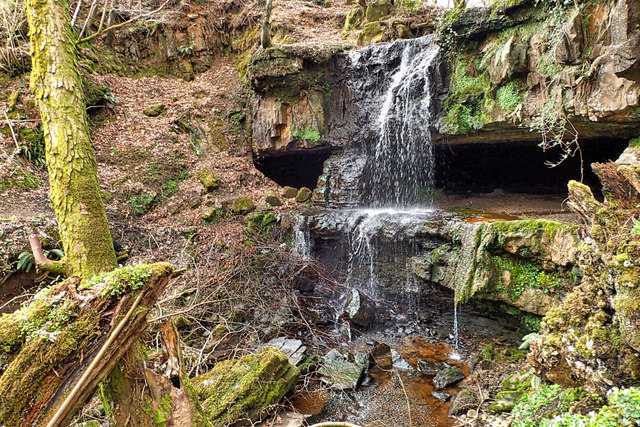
(55, 351)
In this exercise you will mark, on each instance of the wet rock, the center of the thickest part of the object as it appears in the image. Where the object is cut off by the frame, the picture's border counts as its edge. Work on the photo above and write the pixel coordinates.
(339, 374)
(381, 354)
(363, 359)
(443, 397)
(208, 179)
(304, 195)
(463, 401)
(431, 367)
(448, 377)
(398, 361)
(505, 401)
(359, 308)
(290, 192)
(293, 349)
(154, 111)
(334, 355)
(272, 199)
(242, 205)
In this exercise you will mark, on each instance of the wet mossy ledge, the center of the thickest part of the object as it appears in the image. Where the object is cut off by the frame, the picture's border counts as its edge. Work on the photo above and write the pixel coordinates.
(520, 62)
(528, 264)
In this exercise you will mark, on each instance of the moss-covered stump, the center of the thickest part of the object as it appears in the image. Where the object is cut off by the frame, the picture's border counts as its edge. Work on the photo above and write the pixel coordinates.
(593, 338)
(237, 391)
(45, 347)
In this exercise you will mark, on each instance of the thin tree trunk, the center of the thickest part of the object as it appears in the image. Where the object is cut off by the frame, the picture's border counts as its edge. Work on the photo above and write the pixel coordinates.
(265, 40)
(74, 188)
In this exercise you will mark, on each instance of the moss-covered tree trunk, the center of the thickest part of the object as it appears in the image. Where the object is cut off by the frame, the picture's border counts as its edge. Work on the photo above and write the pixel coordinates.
(74, 189)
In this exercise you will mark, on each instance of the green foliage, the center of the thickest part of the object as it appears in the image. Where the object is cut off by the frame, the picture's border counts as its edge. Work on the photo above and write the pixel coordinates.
(523, 274)
(465, 108)
(121, 280)
(20, 178)
(26, 260)
(186, 49)
(636, 227)
(543, 403)
(508, 96)
(635, 142)
(306, 133)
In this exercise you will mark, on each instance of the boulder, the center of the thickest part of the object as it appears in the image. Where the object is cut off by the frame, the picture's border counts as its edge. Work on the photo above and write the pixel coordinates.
(399, 362)
(448, 377)
(381, 354)
(155, 110)
(378, 10)
(359, 308)
(272, 199)
(304, 195)
(340, 374)
(505, 401)
(443, 397)
(208, 179)
(463, 401)
(290, 192)
(431, 367)
(240, 389)
(242, 205)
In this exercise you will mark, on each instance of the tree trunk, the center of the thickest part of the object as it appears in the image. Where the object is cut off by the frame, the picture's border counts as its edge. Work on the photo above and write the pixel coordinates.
(54, 353)
(265, 39)
(74, 189)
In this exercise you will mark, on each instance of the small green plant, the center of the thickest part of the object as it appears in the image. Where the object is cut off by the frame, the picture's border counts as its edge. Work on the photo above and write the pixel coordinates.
(635, 142)
(26, 261)
(636, 227)
(306, 134)
(186, 49)
(111, 99)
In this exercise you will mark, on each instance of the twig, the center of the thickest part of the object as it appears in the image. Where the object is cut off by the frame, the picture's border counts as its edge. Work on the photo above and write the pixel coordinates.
(135, 18)
(75, 14)
(13, 134)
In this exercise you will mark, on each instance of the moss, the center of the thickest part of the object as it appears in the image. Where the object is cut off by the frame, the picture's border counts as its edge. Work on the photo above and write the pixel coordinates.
(509, 96)
(21, 178)
(371, 32)
(550, 228)
(121, 280)
(635, 142)
(242, 205)
(154, 110)
(241, 389)
(523, 274)
(261, 221)
(467, 103)
(306, 134)
(353, 20)
(208, 179)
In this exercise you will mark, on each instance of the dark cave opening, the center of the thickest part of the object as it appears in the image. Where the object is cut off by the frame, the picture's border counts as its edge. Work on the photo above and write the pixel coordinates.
(518, 167)
(293, 169)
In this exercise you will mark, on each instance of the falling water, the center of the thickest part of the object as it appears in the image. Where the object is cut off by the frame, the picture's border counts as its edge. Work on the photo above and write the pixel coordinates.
(456, 344)
(301, 238)
(401, 162)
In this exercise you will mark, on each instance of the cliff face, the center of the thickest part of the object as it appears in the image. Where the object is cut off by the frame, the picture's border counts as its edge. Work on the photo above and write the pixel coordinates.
(525, 64)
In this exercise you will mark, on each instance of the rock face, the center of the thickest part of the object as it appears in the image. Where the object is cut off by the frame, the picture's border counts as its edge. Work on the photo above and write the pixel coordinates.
(528, 264)
(510, 66)
(593, 338)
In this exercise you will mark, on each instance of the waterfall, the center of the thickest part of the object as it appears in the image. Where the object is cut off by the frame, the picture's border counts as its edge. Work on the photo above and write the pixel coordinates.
(400, 163)
(301, 238)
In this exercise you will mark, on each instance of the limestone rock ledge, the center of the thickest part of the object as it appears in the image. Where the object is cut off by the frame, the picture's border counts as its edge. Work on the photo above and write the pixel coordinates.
(528, 264)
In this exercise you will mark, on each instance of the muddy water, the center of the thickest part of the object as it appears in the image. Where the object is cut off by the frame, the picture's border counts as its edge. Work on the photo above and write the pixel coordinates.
(387, 397)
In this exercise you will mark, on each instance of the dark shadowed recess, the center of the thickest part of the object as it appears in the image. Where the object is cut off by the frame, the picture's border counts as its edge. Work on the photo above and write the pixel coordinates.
(293, 169)
(518, 167)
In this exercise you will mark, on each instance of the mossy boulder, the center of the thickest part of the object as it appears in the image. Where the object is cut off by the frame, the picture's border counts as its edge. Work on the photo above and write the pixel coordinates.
(261, 221)
(353, 20)
(371, 32)
(290, 192)
(155, 110)
(242, 205)
(272, 199)
(241, 389)
(208, 179)
(378, 10)
(304, 195)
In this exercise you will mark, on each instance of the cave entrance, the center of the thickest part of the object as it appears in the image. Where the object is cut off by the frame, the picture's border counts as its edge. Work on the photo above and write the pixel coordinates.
(293, 169)
(515, 167)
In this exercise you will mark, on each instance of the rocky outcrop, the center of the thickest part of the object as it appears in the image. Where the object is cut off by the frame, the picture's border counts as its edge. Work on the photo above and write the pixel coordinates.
(522, 64)
(527, 264)
(593, 338)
